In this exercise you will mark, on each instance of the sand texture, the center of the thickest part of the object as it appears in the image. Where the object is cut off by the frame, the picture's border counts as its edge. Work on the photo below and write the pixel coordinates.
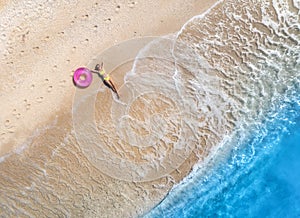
(44, 172)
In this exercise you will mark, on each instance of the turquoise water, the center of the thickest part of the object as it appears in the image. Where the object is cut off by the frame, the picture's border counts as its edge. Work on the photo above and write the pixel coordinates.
(251, 88)
(259, 179)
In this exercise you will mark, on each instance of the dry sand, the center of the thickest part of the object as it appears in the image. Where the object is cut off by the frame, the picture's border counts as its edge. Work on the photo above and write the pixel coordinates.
(43, 171)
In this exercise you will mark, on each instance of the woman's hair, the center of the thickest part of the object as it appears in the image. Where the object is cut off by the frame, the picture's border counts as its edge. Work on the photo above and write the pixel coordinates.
(97, 67)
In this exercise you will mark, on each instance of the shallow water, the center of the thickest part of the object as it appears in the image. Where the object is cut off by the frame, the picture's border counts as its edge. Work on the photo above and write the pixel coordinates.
(252, 53)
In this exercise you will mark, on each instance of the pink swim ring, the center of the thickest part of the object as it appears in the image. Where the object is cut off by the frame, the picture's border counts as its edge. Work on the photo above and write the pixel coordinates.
(82, 77)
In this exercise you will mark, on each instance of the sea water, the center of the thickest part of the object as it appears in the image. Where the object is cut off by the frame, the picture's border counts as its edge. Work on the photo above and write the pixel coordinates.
(252, 50)
(261, 179)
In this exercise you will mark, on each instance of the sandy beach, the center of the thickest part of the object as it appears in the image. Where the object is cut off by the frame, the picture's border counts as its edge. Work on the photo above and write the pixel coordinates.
(43, 169)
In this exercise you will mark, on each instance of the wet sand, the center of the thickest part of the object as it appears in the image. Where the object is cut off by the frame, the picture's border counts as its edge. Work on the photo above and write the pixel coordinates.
(43, 170)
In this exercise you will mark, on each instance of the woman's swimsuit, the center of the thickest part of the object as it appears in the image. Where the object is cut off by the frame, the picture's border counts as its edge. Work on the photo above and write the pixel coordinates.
(104, 75)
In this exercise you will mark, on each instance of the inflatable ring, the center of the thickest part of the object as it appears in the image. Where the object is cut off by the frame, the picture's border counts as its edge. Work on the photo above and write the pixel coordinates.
(82, 77)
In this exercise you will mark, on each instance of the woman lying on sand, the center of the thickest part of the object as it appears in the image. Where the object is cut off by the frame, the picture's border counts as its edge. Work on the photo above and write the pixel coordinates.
(105, 78)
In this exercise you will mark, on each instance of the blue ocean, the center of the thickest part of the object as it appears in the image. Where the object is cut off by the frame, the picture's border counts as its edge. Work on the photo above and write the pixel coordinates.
(253, 50)
(261, 179)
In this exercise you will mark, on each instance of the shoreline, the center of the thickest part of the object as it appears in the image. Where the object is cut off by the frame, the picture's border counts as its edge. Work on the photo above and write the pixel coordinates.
(42, 59)
(54, 73)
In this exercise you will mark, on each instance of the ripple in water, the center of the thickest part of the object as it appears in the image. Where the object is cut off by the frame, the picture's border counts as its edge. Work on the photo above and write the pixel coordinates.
(253, 48)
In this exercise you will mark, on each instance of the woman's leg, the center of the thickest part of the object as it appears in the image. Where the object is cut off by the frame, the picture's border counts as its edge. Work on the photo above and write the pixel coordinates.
(110, 85)
(113, 86)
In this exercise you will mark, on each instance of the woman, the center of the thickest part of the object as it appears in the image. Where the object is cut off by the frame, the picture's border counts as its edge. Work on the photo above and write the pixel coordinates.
(105, 78)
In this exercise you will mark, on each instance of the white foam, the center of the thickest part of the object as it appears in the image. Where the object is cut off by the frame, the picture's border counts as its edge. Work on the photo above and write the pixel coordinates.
(266, 82)
(198, 16)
